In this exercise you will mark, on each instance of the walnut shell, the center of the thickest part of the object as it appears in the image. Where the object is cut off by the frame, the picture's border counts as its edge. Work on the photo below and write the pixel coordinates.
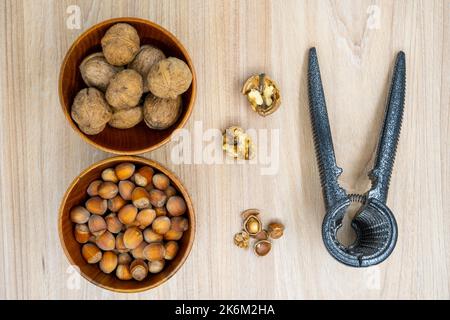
(126, 118)
(125, 89)
(120, 44)
(161, 113)
(90, 110)
(97, 72)
(169, 78)
(146, 57)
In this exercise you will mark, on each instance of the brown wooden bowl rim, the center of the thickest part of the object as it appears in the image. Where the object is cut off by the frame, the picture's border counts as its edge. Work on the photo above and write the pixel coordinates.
(190, 105)
(172, 177)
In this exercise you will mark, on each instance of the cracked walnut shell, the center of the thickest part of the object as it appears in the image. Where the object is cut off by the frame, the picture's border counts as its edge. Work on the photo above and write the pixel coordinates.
(263, 94)
(161, 113)
(125, 89)
(169, 78)
(147, 56)
(120, 44)
(97, 72)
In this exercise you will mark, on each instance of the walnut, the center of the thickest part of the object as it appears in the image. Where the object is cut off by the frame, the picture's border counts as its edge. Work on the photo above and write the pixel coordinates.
(125, 89)
(90, 110)
(262, 94)
(126, 118)
(169, 78)
(97, 72)
(161, 113)
(120, 44)
(146, 57)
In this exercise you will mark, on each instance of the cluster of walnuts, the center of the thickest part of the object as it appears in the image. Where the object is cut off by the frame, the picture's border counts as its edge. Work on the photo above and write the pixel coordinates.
(128, 83)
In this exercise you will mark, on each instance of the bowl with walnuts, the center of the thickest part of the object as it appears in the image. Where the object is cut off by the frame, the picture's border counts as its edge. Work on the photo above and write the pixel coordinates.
(126, 85)
(127, 223)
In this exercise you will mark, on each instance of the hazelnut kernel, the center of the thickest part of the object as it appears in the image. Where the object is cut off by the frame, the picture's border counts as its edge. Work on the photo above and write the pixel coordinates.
(143, 176)
(179, 224)
(113, 223)
(108, 190)
(139, 269)
(140, 198)
(156, 266)
(96, 205)
(151, 236)
(127, 214)
(173, 235)
(124, 170)
(126, 188)
(171, 250)
(145, 217)
(79, 215)
(108, 263)
(276, 230)
(97, 225)
(132, 237)
(116, 203)
(154, 251)
(81, 233)
(92, 189)
(161, 225)
(161, 181)
(123, 272)
(262, 235)
(91, 253)
(109, 175)
(157, 198)
(124, 258)
(176, 206)
(106, 241)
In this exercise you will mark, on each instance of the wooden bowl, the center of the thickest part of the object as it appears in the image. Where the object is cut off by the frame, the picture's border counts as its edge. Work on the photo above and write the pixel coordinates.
(76, 194)
(139, 139)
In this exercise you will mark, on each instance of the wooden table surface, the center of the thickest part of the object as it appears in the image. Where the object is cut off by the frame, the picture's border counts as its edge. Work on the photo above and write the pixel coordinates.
(229, 41)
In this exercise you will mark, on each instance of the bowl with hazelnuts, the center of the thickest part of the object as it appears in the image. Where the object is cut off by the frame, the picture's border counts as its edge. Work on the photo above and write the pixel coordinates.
(127, 223)
(126, 85)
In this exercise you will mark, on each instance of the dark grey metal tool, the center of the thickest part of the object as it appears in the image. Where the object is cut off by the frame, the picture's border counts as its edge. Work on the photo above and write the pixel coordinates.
(374, 224)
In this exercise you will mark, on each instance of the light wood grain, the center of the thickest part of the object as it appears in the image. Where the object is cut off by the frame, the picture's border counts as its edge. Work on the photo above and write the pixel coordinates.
(229, 41)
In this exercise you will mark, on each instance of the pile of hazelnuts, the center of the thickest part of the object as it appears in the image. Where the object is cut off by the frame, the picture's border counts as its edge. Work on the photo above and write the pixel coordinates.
(131, 222)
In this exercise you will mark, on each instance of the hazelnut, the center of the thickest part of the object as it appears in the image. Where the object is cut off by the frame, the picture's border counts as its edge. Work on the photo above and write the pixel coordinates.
(173, 235)
(154, 251)
(143, 176)
(157, 198)
(124, 90)
(137, 252)
(238, 144)
(276, 230)
(241, 239)
(145, 58)
(132, 237)
(252, 225)
(127, 214)
(116, 203)
(161, 181)
(171, 250)
(145, 217)
(156, 266)
(262, 94)
(91, 253)
(124, 258)
(108, 263)
(262, 247)
(180, 224)
(120, 44)
(151, 236)
(106, 241)
(79, 214)
(96, 205)
(108, 190)
(120, 245)
(123, 272)
(113, 223)
(125, 189)
(262, 235)
(124, 170)
(161, 225)
(176, 206)
(96, 71)
(92, 189)
(161, 211)
(169, 78)
(149, 186)
(140, 198)
(126, 118)
(90, 110)
(170, 191)
(160, 113)
(82, 233)
(139, 269)
(110, 175)
(97, 225)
